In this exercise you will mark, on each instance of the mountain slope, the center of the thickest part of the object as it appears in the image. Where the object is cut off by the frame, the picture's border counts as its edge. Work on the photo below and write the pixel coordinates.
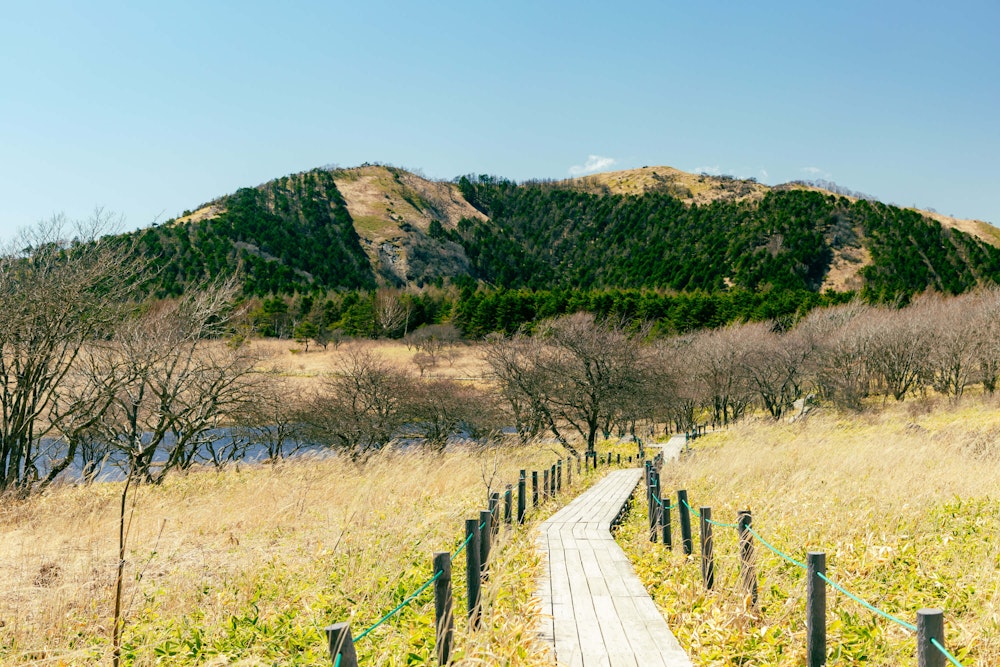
(398, 216)
(649, 228)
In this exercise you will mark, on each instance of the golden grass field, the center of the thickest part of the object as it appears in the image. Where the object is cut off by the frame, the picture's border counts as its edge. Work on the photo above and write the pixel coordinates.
(464, 362)
(248, 565)
(904, 502)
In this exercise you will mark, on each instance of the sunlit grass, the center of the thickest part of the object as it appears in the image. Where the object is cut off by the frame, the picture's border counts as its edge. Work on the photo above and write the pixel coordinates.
(904, 503)
(248, 565)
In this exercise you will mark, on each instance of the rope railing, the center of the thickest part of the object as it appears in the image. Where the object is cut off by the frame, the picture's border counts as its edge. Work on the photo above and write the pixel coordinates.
(930, 624)
(399, 607)
(477, 544)
(952, 659)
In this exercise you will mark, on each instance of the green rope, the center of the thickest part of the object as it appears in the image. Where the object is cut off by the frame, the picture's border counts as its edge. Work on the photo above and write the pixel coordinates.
(898, 621)
(944, 652)
(336, 663)
(400, 606)
(775, 550)
(462, 548)
(668, 506)
(908, 626)
(722, 524)
(691, 509)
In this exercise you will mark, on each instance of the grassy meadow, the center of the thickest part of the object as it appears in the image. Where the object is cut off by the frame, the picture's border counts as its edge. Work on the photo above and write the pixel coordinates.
(462, 362)
(904, 502)
(246, 566)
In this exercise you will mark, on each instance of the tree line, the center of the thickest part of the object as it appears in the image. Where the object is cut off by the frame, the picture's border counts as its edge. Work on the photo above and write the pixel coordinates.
(478, 312)
(577, 374)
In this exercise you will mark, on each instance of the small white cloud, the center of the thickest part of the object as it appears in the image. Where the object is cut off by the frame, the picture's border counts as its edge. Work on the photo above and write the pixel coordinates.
(714, 171)
(594, 163)
(816, 172)
(763, 174)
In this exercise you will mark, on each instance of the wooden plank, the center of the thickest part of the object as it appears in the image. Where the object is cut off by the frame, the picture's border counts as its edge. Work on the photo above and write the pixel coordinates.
(600, 612)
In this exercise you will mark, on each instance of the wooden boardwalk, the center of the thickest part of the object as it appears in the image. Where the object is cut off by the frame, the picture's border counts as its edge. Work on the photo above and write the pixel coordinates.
(597, 611)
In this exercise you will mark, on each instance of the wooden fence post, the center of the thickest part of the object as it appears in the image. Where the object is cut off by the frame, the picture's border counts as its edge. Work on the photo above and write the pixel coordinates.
(545, 484)
(485, 535)
(748, 575)
(559, 467)
(534, 488)
(685, 515)
(494, 512)
(521, 500)
(569, 472)
(552, 481)
(508, 504)
(579, 468)
(444, 620)
(651, 500)
(619, 458)
(930, 625)
(473, 570)
(665, 520)
(338, 636)
(649, 493)
(815, 609)
(707, 555)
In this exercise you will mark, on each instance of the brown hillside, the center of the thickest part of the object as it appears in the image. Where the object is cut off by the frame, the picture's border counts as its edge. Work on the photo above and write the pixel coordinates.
(392, 211)
(690, 188)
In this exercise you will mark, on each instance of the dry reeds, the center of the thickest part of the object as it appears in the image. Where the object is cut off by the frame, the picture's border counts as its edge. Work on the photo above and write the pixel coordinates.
(904, 503)
(248, 565)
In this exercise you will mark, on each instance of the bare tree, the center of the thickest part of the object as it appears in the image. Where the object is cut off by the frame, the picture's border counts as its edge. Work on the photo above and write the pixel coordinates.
(987, 338)
(56, 295)
(839, 367)
(273, 421)
(775, 365)
(160, 391)
(515, 369)
(953, 327)
(360, 408)
(575, 371)
(441, 409)
(391, 315)
(431, 342)
(718, 364)
(899, 347)
(670, 388)
(168, 388)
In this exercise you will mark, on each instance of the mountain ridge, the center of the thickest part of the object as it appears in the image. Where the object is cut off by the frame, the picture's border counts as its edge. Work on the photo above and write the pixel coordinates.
(413, 231)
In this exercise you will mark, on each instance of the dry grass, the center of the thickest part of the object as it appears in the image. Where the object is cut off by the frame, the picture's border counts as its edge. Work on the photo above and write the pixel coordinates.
(903, 502)
(285, 357)
(246, 566)
(703, 189)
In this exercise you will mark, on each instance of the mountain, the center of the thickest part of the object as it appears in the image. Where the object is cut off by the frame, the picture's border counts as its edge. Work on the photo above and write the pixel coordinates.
(649, 228)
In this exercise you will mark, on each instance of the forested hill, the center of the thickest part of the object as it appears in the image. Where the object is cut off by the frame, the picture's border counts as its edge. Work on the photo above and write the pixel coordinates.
(293, 233)
(350, 229)
(548, 235)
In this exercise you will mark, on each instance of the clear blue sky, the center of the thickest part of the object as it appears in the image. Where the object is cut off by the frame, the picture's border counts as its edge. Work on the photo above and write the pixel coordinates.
(152, 108)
